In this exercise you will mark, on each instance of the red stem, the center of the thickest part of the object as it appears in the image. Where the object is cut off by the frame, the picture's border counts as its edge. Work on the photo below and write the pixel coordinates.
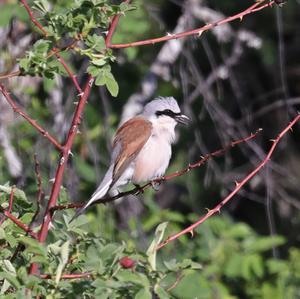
(18, 110)
(33, 19)
(19, 223)
(112, 28)
(68, 70)
(62, 164)
(253, 8)
(238, 187)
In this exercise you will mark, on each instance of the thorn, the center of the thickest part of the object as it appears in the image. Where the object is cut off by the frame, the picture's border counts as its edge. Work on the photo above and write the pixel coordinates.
(62, 161)
(169, 34)
(75, 103)
(291, 129)
(236, 183)
(241, 18)
(70, 153)
(192, 233)
(208, 210)
(218, 210)
(273, 140)
(91, 82)
(80, 94)
(200, 33)
(202, 157)
(105, 32)
(52, 180)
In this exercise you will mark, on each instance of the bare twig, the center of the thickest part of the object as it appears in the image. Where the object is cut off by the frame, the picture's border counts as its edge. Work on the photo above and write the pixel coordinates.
(253, 8)
(239, 185)
(68, 276)
(18, 110)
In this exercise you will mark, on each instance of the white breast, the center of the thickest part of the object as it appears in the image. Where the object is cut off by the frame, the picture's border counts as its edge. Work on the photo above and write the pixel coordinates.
(152, 161)
(154, 158)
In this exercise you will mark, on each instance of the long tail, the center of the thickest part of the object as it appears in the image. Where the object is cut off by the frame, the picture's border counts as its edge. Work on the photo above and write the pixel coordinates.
(100, 192)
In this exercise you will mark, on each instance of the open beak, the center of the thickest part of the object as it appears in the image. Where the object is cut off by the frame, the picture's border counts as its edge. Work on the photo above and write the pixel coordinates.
(182, 119)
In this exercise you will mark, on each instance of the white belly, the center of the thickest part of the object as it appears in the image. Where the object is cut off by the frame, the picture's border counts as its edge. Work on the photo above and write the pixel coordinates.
(152, 161)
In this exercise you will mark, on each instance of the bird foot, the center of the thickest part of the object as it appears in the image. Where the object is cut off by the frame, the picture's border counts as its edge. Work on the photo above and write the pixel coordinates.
(155, 185)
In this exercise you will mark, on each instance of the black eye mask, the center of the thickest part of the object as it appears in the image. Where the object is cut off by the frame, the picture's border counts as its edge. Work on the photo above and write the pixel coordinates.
(167, 112)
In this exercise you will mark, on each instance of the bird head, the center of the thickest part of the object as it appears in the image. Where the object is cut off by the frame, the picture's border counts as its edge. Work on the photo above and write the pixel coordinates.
(165, 110)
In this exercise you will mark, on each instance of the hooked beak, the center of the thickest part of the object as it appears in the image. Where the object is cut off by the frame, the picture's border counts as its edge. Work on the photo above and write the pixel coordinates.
(182, 119)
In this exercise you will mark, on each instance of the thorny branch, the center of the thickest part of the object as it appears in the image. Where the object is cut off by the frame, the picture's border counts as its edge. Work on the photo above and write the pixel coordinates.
(140, 189)
(198, 32)
(238, 186)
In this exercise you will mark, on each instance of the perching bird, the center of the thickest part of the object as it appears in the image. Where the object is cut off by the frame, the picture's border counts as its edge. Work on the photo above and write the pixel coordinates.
(141, 148)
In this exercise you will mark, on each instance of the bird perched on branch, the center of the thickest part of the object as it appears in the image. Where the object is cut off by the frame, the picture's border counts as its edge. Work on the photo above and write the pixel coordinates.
(141, 148)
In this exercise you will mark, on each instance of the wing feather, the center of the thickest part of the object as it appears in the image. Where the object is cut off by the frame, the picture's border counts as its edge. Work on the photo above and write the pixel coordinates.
(131, 137)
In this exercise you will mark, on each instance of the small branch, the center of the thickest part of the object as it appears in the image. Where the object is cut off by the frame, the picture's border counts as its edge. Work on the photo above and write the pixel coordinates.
(68, 276)
(239, 185)
(10, 75)
(68, 70)
(138, 190)
(112, 28)
(18, 110)
(19, 223)
(33, 19)
(253, 8)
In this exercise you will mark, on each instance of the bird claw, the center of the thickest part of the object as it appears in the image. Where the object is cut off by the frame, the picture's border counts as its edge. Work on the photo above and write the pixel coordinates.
(155, 185)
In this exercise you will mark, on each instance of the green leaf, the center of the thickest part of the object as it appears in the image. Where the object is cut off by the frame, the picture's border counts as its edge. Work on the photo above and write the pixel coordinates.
(18, 193)
(143, 294)
(112, 85)
(11, 279)
(94, 70)
(2, 233)
(100, 80)
(64, 255)
(152, 250)
(161, 292)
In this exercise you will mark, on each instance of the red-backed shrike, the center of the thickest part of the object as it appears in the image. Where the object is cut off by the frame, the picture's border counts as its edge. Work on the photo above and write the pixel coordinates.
(141, 148)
